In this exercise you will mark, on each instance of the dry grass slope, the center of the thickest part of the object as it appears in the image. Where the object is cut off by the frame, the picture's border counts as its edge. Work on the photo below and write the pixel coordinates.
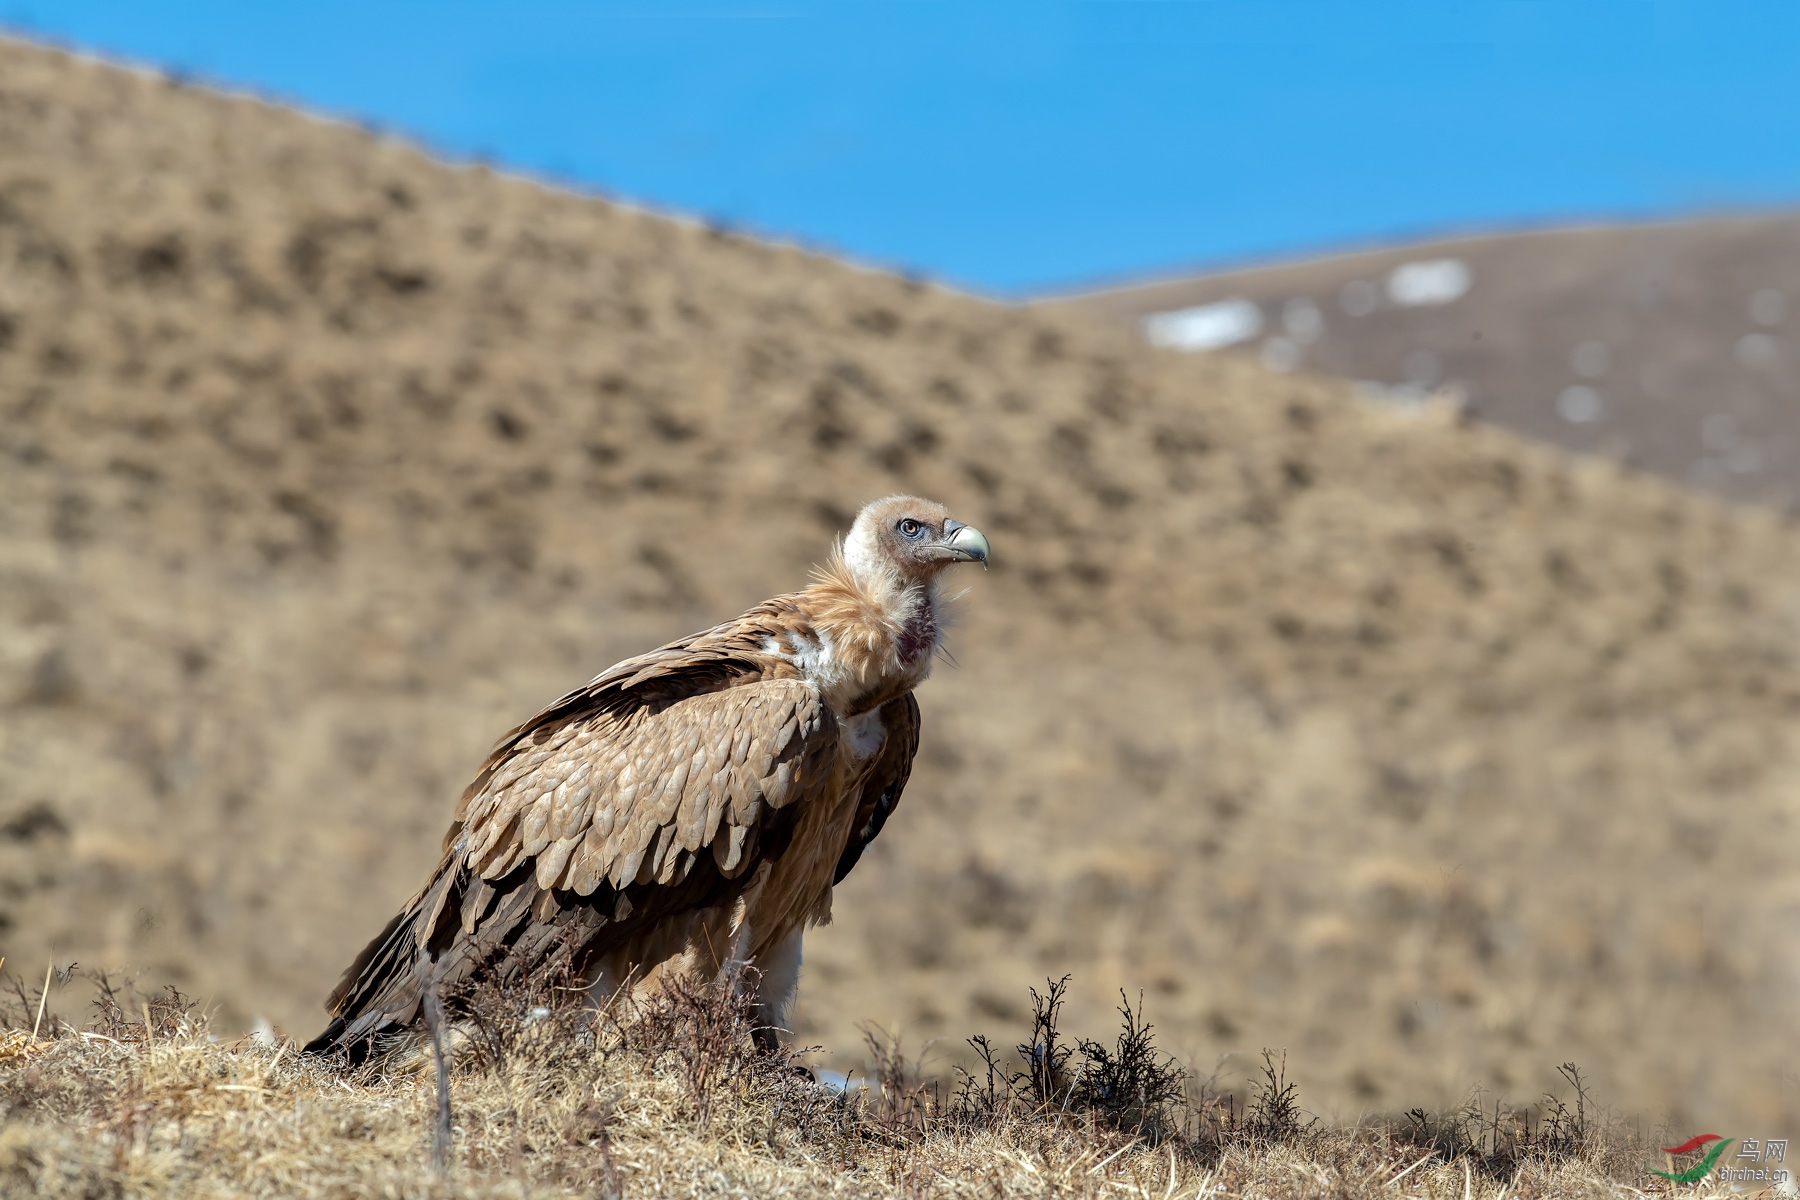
(552, 1105)
(1428, 754)
(1677, 321)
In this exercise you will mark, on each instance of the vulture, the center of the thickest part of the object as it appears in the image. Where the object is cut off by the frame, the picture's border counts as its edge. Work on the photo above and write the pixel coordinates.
(688, 810)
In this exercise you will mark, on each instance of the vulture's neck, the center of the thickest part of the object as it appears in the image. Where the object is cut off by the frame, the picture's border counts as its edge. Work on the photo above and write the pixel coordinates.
(874, 635)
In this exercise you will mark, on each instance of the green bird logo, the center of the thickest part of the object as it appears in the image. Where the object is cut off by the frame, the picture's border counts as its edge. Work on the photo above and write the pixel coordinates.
(1698, 1171)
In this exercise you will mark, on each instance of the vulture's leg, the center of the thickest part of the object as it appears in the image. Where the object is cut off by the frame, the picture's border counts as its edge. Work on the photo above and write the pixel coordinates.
(778, 975)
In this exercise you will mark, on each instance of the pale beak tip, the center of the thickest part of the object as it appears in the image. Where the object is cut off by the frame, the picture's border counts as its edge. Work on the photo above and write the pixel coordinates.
(970, 545)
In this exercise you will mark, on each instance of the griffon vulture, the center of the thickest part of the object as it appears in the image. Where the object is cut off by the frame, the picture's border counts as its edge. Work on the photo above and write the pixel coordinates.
(689, 808)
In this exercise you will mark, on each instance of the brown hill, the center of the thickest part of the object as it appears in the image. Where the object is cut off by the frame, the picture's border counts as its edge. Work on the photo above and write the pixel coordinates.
(1426, 753)
(1668, 346)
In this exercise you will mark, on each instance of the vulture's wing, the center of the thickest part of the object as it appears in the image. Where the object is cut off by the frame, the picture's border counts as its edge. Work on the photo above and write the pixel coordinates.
(652, 791)
(638, 792)
(886, 780)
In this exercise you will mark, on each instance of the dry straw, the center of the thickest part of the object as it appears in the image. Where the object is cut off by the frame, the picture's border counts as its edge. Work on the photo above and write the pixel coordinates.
(554, 1099)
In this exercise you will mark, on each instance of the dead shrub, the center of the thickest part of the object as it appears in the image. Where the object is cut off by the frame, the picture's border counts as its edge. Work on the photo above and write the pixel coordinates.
(1127, 1087)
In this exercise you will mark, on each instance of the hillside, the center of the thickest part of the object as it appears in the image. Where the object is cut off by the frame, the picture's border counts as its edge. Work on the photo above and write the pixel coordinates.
(1669, 346)
(1434, 756)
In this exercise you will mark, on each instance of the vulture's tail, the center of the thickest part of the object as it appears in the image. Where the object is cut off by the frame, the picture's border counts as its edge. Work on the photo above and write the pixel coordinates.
(459, 931)
(463, 930)
(379, 995)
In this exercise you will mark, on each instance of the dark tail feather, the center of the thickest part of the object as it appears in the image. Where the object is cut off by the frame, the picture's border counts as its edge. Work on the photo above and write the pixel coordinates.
(379, 994)
(329, 1041)
(463, 929)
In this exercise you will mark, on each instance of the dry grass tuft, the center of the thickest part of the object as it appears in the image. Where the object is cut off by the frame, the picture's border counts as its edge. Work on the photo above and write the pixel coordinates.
(551, 1098)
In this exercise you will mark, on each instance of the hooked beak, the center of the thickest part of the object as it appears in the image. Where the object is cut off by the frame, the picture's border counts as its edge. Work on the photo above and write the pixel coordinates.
(965, 543)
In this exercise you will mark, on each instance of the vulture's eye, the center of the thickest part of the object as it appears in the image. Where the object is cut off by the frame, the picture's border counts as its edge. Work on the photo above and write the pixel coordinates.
(910, 528)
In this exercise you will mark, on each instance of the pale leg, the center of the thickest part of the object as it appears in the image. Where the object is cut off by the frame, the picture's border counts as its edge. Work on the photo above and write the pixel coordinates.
(778, 976)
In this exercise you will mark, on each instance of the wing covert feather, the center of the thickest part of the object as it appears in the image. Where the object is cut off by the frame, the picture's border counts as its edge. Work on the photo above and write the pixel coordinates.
(632, 792)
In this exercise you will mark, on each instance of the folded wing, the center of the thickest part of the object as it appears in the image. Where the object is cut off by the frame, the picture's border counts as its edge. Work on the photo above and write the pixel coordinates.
(638, 792)
(654, 790)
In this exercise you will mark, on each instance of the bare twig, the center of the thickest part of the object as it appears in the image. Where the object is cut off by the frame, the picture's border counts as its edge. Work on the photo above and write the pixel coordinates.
(1122, 1149)
(1402, 1175)
(441, 1142)
(269, 1075)
(43, 998)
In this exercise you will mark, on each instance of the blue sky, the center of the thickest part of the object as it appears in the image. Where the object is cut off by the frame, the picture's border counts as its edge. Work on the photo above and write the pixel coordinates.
(1017, 148)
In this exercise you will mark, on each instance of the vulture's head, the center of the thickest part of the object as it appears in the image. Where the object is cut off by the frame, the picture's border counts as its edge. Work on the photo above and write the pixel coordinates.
(909, 538)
